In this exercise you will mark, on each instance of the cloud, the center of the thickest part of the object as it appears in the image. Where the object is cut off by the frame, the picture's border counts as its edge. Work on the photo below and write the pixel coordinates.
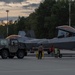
(31, 6)
(10, 1)
(17, 8)
(10, 18)
(34, 1)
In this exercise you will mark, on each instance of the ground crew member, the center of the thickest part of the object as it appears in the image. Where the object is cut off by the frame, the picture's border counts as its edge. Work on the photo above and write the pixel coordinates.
(52, 50)
(57, 52)
(40, 51)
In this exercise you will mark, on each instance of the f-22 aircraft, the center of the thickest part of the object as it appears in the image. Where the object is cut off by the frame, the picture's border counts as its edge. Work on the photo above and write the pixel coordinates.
(64, 40)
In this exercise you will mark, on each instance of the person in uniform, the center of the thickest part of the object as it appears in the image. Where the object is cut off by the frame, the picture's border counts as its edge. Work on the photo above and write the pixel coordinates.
(40, 51)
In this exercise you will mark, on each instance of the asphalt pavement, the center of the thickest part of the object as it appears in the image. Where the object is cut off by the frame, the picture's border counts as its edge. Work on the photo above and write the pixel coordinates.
(30, 65)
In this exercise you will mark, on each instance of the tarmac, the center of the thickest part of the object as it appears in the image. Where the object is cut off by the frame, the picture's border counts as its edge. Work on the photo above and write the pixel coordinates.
(30, 65)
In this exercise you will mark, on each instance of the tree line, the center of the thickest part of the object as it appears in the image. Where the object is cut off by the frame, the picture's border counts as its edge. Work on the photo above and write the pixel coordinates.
(44, 20)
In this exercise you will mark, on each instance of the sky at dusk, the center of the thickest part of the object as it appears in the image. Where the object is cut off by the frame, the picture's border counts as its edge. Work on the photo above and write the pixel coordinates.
(17, 8)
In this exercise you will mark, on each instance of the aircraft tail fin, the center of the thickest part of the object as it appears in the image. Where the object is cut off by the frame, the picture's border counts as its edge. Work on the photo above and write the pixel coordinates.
(29, 33)
(22, 33)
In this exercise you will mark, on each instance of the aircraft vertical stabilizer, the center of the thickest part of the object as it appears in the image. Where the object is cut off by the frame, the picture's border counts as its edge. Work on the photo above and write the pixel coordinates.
(22, 33)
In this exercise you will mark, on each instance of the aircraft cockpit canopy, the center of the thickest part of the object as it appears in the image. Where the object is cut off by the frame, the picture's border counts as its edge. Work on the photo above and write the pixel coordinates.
(65, 31)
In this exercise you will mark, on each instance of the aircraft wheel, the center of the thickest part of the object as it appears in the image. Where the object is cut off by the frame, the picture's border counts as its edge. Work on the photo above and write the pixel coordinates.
(60, 55)
(25, 53)
(48, 52)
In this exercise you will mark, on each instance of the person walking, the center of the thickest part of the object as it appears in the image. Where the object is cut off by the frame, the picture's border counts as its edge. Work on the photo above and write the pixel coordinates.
(40, 51)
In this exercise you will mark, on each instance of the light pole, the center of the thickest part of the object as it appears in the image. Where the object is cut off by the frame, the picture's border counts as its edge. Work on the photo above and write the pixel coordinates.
(70, 12)
(7, 21)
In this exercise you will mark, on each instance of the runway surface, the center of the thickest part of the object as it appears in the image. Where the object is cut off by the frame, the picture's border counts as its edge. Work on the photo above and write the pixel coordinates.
(32, 66)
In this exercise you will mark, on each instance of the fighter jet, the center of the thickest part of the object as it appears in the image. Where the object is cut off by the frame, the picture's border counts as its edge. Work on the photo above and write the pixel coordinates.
(64, 40)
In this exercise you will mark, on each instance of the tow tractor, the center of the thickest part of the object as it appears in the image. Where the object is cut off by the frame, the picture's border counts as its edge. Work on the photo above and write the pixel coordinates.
(12, 47)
